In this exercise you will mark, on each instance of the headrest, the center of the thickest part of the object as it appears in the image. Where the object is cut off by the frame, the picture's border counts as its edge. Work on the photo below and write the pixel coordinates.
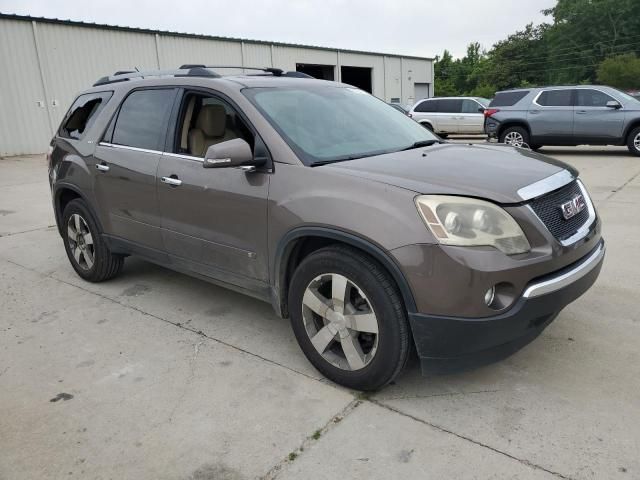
(212, 120)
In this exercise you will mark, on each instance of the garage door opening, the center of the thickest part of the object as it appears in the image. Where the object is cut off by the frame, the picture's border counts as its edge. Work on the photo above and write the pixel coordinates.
(358, 77)
(323, 72)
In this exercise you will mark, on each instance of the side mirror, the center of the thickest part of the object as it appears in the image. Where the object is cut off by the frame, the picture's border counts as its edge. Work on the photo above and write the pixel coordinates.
(232, 153)
(481, 109)
(613, 104)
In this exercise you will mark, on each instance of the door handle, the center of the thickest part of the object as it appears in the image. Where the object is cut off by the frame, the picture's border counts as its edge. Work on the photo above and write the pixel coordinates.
(102, 167)
(534, 111)
(173, 181)
(581, 112)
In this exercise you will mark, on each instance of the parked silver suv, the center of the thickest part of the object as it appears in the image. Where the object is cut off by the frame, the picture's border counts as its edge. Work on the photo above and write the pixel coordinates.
(568, 115)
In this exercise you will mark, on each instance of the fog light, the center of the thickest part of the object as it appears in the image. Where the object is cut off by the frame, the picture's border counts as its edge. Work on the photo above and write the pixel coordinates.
(489, 296)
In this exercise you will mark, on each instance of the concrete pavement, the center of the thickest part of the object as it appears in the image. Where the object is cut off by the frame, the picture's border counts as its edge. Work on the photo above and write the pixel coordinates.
(156, 375)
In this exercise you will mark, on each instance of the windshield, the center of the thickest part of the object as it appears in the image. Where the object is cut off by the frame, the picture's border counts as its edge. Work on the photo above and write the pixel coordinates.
(626, 96)
(330, 123)
(483, 101)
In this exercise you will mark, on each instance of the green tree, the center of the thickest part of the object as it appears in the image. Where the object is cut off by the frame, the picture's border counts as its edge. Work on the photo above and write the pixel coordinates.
(622, 71)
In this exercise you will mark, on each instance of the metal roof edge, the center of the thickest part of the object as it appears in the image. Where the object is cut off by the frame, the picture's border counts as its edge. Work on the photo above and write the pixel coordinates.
(104, 26)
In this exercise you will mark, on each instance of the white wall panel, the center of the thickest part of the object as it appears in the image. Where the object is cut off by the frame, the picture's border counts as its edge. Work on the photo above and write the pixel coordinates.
(24, 126)
(74, 57)
(42, 69)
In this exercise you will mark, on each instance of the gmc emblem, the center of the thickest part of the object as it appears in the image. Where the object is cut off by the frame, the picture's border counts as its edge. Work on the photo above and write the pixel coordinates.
(573, 207)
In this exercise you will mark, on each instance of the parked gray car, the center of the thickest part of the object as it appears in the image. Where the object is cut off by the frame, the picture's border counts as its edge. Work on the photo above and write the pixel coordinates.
(365, 229)
(568, 115)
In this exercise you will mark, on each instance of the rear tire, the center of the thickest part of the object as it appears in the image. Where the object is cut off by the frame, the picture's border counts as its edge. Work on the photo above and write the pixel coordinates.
(362, 341)
(633, 141)
(88, 253)
(443, 135)
(515, 136)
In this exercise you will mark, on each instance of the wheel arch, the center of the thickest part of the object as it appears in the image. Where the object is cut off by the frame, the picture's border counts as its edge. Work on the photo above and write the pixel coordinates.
(629, 128)
(300, 242)
(514, 123)
(62, 195)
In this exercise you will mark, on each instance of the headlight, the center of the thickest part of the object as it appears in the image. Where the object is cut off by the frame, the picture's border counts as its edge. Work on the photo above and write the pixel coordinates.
(469, 222)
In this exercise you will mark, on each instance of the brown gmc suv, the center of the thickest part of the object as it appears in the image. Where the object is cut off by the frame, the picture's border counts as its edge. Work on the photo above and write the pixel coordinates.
(364, 228)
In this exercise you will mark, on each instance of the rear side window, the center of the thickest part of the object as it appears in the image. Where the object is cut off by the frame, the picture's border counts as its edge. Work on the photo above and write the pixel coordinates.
(82, 114)
(450, 106)
(555, 98)
(427, 106)
(141, 122)
(591, 98)
(508, 99)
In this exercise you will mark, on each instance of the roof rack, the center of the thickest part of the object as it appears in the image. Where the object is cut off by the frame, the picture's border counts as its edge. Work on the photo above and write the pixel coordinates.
(191, 70)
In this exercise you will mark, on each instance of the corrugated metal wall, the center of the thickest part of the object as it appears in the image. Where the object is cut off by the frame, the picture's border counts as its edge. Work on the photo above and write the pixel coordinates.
(44, 64)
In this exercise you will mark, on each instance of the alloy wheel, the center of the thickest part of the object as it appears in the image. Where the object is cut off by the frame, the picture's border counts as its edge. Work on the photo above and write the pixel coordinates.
(514, 139)
(636, 142)
(80, 241)
(340, 321)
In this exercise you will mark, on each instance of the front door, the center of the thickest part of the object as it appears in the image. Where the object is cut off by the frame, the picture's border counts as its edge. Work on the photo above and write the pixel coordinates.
(214, 221)
(126, 162)
(593, 119)
(472, 117)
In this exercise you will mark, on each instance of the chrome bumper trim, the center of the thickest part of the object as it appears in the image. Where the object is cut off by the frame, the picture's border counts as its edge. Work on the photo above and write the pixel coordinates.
(567, 278)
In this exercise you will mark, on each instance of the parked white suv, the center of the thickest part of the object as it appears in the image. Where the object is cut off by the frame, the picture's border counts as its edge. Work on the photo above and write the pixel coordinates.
(446, 115)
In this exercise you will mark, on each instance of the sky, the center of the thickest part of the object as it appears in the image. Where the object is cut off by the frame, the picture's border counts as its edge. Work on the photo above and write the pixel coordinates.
(409, 27)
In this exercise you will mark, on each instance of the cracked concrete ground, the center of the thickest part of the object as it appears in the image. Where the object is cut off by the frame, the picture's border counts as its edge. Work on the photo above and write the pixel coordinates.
(156, 375)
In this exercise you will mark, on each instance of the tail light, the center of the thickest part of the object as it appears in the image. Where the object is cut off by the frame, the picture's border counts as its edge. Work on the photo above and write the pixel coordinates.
(490, 111)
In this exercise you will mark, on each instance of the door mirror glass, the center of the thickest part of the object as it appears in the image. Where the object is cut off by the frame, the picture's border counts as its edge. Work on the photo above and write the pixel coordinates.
(613, 104)
(232, 153)
(481, 109)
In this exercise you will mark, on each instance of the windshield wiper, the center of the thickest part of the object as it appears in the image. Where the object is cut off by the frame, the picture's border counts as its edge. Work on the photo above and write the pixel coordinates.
(336, 160)
(422, 143)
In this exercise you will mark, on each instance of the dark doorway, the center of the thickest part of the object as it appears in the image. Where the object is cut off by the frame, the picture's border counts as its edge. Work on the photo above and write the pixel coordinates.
(323, 72)
(358, 77)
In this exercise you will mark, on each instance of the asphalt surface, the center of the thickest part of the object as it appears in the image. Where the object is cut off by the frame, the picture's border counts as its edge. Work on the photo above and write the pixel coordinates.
(156, 375)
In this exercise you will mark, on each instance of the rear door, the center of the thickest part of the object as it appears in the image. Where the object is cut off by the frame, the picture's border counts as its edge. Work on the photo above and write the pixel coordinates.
(550, 116)
(126, 163)
(471, 118)
(593, 120)
(214, 221)
(449, 114)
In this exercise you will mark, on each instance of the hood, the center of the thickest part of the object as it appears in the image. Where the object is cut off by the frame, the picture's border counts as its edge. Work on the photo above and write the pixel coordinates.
(492, 172)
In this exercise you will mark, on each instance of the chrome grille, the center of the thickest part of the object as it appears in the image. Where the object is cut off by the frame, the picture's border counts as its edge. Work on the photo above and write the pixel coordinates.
(547, 208)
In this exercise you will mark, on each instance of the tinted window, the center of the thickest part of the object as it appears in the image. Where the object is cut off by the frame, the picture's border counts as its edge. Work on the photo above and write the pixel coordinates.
(592, 98)
(82, 114)
(141, 121)
(507, 99)
(450, 106)
(555, 98)
(470, 106)
(427, 106)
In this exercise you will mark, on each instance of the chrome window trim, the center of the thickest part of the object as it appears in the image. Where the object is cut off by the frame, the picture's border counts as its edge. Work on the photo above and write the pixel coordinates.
(535, 100)
(546, 185)
(183, 156)
(127, 147)
(556, 283)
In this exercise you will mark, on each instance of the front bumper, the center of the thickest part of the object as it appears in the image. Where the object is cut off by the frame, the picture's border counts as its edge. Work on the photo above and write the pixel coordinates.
(448, 344)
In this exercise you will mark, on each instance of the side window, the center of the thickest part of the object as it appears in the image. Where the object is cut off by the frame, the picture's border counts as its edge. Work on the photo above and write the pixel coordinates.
(555, 98)
(508, 99)
(471, 106)
(427, 106)
(141, 121)
(82, 114)
(206, 120)
(591, 98)
(452, 105)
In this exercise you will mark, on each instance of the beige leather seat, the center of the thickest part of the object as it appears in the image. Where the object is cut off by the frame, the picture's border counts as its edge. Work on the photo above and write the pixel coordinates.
(211, 128)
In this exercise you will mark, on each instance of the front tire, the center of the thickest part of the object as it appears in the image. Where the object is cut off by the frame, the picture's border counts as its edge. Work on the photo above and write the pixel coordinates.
(88, 253)
(349, 318)
(515, 136)
(633, 141)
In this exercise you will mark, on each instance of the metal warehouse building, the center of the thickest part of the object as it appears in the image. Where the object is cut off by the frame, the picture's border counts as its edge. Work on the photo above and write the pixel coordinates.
(45, 62)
